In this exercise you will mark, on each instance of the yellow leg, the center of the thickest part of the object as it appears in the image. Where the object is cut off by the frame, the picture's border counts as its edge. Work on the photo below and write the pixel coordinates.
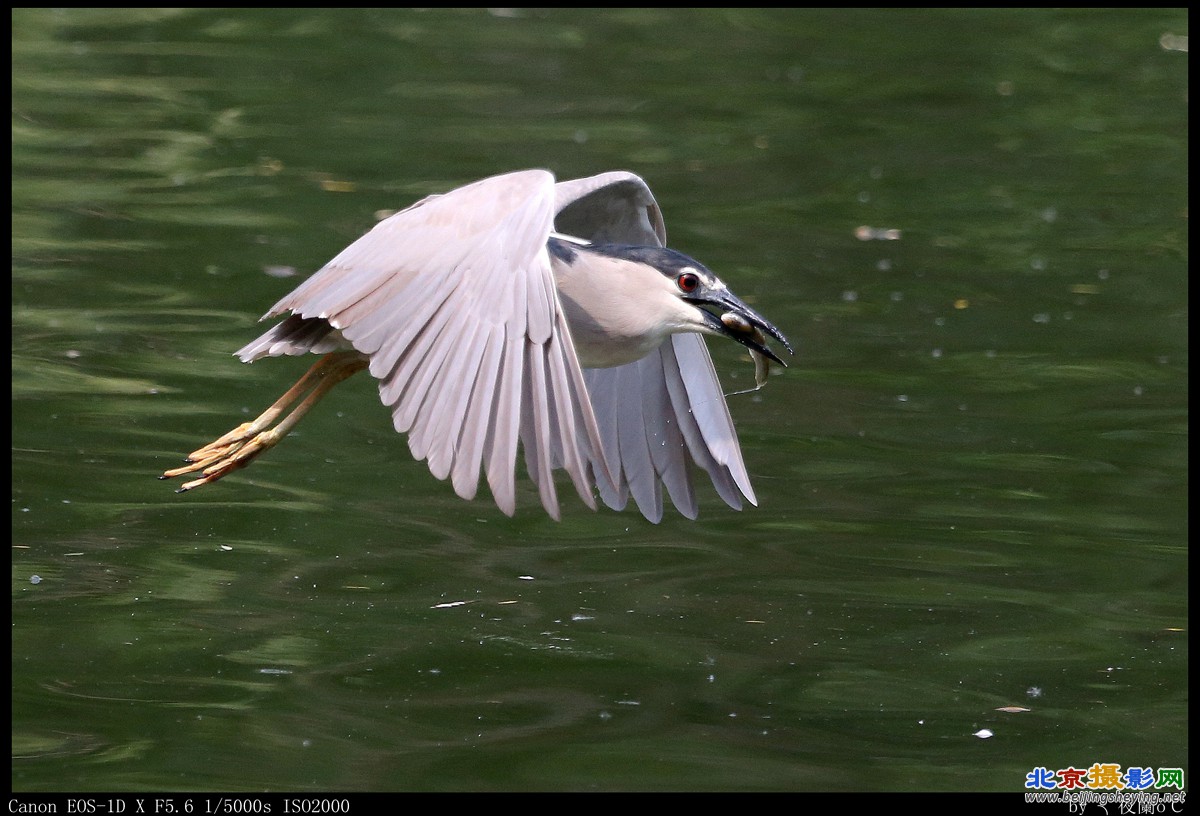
(248, 441)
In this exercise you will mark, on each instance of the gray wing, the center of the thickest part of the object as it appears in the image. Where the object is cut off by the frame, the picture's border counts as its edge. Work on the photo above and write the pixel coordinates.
(614, 207)
(681, 417)
(454, 304)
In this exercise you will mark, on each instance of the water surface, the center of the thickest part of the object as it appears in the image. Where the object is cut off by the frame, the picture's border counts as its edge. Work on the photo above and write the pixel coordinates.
(972, 478)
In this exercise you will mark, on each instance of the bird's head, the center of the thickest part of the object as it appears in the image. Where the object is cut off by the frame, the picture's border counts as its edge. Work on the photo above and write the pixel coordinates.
(714, 309)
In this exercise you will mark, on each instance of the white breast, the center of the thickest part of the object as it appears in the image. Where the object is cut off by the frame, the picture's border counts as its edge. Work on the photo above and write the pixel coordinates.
(619, 311)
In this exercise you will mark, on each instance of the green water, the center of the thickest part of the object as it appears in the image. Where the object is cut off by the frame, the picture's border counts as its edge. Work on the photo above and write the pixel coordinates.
(972, 478)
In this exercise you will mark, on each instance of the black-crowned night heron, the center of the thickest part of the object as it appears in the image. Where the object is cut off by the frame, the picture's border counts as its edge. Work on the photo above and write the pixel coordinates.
(517, 308)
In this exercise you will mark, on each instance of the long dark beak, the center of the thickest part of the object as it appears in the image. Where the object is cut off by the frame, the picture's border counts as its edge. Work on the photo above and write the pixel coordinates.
(736, 320)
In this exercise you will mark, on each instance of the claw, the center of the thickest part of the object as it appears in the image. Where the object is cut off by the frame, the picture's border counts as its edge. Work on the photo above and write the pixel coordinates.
(245, 443)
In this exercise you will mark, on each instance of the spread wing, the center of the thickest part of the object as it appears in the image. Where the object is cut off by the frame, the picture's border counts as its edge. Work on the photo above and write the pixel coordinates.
(660, 415)
(454, 304)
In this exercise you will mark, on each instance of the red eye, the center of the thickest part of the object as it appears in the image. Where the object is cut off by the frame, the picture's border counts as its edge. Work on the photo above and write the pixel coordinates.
(688, 282)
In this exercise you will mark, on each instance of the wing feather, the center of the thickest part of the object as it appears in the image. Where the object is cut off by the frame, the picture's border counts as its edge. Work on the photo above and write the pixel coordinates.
(667, 446)
(454, 304)
(500, 451)
(574, 458)
(443, 427)
(603, 388)
(678, 419)
(535, 429)
(636, 463)
(708, 406)
(475, 426)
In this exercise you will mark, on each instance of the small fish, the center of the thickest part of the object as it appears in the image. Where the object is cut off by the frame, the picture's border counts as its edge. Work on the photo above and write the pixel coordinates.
(761, 369)
(736, 323)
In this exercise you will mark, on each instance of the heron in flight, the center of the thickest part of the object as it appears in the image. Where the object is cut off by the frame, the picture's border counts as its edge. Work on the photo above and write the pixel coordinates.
(521, 310)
